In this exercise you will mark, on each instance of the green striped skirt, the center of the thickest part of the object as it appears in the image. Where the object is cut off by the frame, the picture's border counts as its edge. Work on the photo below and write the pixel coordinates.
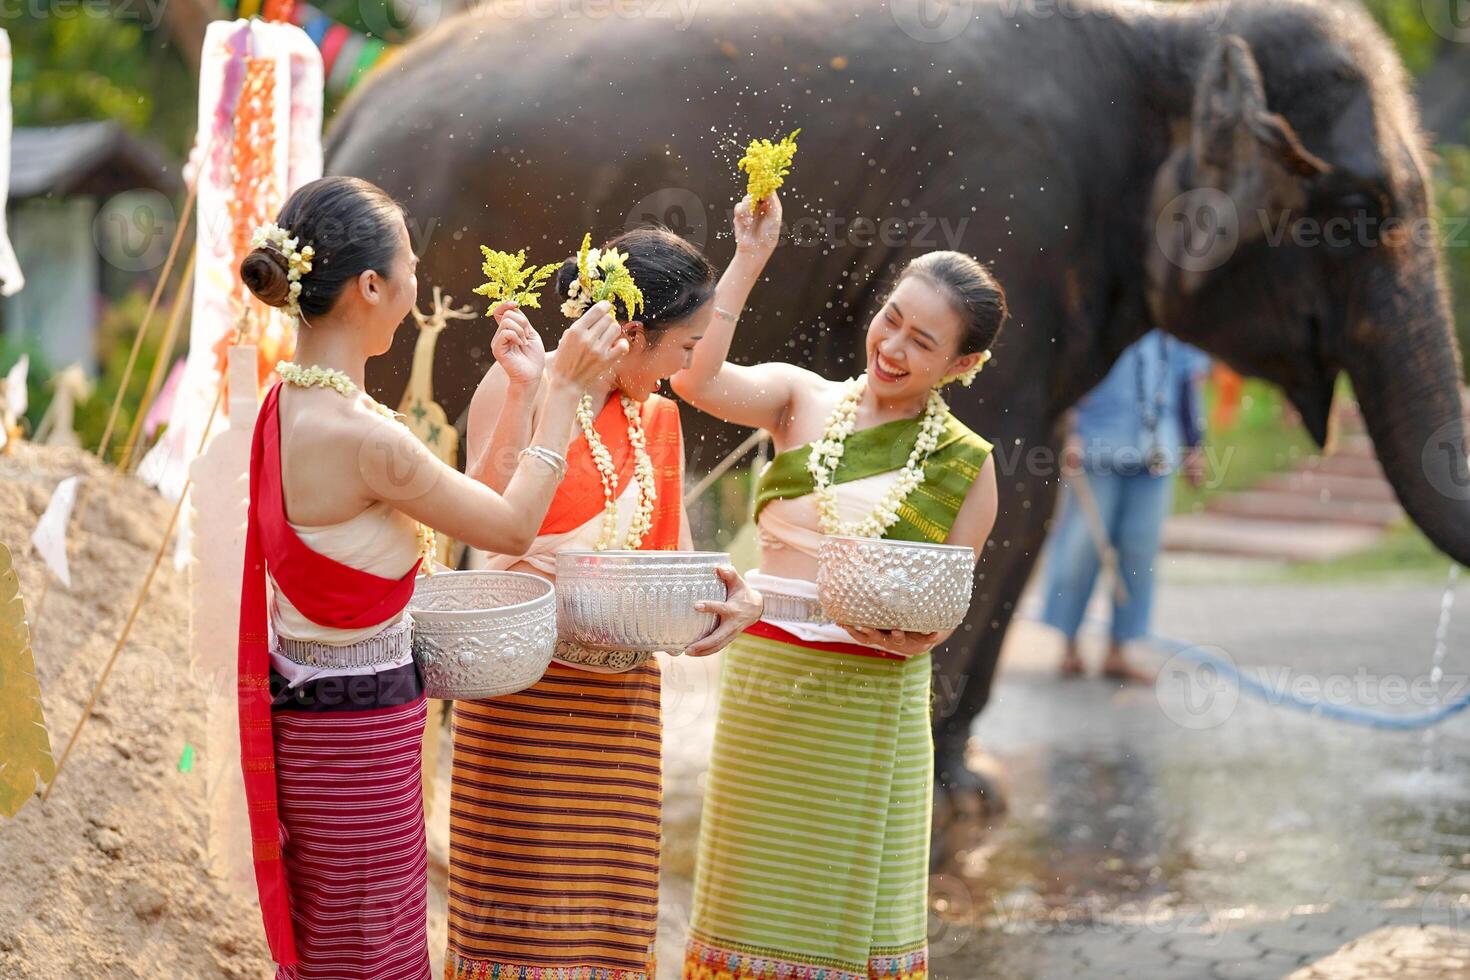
(814, 841)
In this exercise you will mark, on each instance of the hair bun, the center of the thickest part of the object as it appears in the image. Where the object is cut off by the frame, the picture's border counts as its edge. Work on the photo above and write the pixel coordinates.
(565, 276)
(264, 271)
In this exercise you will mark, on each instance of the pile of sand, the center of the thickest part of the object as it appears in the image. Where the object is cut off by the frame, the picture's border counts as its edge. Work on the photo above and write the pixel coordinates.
(107, 878)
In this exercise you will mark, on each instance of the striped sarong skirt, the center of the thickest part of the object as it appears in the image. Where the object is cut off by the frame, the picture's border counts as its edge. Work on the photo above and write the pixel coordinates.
(352, 804)
(814, 840)
(554, 830)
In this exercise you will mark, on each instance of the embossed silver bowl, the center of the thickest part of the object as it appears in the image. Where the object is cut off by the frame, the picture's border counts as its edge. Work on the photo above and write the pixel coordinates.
(480, 634)
(640, 601)
(895, 585)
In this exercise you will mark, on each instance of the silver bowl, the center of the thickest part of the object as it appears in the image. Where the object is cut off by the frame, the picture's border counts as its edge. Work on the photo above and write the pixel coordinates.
(638, 601)
(895, 585)
(480, 634)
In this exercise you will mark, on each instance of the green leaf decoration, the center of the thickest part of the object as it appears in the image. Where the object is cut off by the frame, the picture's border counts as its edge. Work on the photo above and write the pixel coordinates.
(25, 746)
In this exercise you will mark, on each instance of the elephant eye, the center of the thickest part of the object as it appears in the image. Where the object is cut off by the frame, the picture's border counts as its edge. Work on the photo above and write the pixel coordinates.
(1358, 201)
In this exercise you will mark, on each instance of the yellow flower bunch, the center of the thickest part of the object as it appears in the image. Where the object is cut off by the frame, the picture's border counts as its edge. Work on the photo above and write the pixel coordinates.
(602, 275)
(767, 165)
(509, 278)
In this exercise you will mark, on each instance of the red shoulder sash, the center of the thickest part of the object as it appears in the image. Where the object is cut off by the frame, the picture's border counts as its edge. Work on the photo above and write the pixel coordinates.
(326, 592)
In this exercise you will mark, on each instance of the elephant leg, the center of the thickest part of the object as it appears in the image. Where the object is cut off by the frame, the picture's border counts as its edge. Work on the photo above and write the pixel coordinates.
(966, 667)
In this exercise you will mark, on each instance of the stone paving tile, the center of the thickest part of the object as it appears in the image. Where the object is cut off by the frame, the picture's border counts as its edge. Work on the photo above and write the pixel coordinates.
(1233, 944)
(1302, 937)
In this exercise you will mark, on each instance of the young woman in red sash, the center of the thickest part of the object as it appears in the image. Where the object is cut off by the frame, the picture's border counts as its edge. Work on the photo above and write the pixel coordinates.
(342, 495)
(554, 829)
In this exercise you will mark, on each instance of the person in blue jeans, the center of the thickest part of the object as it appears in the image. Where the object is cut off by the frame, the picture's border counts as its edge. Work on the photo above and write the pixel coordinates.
(1129, 436)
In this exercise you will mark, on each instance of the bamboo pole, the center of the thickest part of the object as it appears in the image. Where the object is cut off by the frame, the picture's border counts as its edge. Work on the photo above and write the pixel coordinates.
(168, 265)
(160, 363)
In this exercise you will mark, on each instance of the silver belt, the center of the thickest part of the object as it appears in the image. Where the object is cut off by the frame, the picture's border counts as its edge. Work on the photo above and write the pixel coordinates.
(393, 643)
(781, 607)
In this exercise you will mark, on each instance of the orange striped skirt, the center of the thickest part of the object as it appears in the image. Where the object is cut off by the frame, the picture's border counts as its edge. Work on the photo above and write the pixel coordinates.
(554, 830)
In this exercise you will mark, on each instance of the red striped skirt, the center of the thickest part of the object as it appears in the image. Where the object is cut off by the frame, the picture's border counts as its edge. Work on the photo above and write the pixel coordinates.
(352, 804)
(554, 830)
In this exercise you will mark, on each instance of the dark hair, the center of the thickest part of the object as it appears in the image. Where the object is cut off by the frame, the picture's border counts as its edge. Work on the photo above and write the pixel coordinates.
(675, 277)
(976, 294)
(351, 226)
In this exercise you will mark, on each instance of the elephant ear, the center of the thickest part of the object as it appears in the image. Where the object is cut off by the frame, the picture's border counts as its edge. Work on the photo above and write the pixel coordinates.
(1236, 142)
(1234, 162)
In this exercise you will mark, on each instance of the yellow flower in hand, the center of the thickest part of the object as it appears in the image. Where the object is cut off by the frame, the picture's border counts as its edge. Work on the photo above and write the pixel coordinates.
(509, 278)
(767, 165)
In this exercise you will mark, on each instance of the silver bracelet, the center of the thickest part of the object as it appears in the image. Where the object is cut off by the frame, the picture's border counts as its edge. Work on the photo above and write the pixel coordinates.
(550, 457)
(725, 314)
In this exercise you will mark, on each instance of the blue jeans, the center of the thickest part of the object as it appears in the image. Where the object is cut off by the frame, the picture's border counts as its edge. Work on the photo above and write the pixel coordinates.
(1133, 509)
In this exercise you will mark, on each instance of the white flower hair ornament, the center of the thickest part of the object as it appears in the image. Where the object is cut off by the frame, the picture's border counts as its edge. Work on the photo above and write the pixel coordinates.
(298, 261)
(601, 275)
(967, 378)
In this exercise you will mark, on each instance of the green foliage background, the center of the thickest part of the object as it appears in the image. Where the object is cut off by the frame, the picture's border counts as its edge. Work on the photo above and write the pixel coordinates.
(71, 64)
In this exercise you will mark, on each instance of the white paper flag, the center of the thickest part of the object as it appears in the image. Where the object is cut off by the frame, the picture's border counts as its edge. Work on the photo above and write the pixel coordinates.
(11, 278)
(49, 538)
(16, 399)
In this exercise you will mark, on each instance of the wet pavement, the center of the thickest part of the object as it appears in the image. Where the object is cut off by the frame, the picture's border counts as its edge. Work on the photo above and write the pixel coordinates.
(1188, 830)
(1192, 830)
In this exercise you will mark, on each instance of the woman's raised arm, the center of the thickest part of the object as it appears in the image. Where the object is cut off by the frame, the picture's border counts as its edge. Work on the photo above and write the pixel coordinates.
(760, 395)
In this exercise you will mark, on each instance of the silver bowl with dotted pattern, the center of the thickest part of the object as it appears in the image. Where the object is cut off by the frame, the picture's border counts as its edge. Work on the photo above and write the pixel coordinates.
(894, 585)
(636, 601)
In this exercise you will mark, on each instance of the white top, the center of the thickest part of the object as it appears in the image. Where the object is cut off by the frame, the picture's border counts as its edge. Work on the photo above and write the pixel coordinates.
(381, 540)
(794, 524)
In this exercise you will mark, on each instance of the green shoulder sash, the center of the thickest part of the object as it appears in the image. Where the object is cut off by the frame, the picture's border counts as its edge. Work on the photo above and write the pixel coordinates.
(930, 511)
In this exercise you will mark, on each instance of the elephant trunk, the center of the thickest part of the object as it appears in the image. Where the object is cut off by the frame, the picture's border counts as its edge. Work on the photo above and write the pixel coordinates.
(1405, 367)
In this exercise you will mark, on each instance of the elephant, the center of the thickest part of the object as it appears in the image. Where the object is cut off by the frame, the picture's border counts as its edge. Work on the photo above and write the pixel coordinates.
(1248, 176)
